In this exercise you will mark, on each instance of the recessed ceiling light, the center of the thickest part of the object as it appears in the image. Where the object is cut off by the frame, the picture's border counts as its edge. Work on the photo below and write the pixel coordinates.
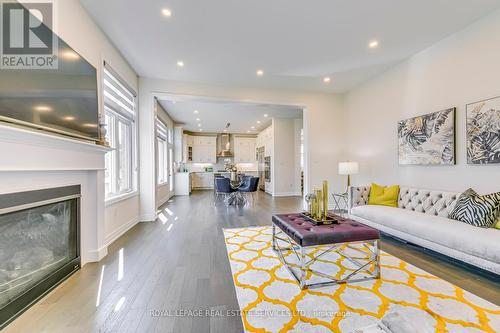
(89, 125)
(327, 79)
(166, 12)
(199, 125)
(260, 72)
(196, 112)
(225, 130)
(70, 55)
(373, 44)
(265, 115)
(248, 131)
(198, 119)
(42, 108)
(258, 121)
(69, 118)
(253, 127)
(200, 130)
(180, 63)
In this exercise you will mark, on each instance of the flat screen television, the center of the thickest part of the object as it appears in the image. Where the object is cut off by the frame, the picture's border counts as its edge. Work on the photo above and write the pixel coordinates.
(62, 100)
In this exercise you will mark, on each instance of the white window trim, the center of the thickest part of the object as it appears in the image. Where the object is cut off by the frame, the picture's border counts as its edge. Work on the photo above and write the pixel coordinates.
(121, 197)
(131, 125)
(164, 181)
(164, 136)
(134, 189)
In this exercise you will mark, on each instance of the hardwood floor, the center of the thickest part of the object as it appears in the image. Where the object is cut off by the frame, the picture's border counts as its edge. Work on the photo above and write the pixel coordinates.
(179, 263)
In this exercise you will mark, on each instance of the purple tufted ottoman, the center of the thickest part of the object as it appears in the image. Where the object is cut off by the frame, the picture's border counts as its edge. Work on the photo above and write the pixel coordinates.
(293, 234)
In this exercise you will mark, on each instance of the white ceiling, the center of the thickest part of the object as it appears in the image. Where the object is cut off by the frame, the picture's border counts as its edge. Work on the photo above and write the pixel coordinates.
(214, 114)
(296, 43)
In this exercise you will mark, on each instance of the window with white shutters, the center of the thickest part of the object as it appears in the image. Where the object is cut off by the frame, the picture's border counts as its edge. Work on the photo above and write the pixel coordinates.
(120, 120)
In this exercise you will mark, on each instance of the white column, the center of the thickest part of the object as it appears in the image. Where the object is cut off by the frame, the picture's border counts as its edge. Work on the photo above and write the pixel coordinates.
(147, 158)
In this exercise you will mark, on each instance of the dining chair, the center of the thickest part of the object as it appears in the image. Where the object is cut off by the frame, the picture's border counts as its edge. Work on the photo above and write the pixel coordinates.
(223, 187)
(215, 177)
(249, 187)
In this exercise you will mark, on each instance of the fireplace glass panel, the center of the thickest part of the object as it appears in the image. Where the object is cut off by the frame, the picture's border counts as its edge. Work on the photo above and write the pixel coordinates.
(34, 243)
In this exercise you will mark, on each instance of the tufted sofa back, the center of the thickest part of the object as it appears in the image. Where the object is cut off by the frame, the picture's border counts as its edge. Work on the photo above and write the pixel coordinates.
(437, 203)
(431, 202)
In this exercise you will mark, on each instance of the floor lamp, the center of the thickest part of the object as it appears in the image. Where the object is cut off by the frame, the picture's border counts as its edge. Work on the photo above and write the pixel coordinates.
(348, 168)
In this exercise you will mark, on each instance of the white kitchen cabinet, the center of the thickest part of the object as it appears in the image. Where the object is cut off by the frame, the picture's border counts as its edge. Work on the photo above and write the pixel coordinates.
(182, 183)
(187, 148)
(195, 180)
(197, 154)
(209, 141)
(265, 139)
(244, 150)
(178, 145)
(202, 180)
(204, 149)
(204, 154)
(208, 180)
(211, 151)
(204, 140)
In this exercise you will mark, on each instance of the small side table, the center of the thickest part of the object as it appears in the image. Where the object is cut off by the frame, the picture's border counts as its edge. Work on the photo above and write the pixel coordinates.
(340, 203)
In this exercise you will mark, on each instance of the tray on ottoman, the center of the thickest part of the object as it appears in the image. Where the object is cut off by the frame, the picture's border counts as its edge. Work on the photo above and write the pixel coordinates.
(330, 219)
(309, 242)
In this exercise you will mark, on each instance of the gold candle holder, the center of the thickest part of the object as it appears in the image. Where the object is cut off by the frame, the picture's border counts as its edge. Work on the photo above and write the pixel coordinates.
(313, 201)
(325, 199)
(319, 200)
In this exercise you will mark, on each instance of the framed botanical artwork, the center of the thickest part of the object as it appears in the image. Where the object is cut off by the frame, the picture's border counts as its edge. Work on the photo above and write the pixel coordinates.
(483, 132)
(427, 139)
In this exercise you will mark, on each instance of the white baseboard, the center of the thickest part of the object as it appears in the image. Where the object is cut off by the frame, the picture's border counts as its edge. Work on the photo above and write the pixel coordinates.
(287, 194)
(99, 254)
(164, 200)
(95, 255)
(120, 231)
(147, 218)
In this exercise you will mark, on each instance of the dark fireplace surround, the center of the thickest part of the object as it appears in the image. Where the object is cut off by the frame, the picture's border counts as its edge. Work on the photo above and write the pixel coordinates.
(39, 245)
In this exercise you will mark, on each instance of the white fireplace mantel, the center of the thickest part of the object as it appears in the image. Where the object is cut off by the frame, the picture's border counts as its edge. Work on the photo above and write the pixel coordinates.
(27, 149)
(31, 160)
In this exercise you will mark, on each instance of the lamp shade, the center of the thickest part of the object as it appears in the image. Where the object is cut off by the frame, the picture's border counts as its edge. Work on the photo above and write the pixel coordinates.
(348, 168)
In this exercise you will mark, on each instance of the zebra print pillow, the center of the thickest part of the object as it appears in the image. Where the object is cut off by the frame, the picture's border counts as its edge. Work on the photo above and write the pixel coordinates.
(477, 210)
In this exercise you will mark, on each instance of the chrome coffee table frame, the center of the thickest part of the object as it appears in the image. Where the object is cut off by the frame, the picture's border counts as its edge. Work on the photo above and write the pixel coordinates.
(300, 251)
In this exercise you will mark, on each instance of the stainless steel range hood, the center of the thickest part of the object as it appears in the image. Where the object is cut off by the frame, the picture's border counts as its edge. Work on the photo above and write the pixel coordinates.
(224, 145)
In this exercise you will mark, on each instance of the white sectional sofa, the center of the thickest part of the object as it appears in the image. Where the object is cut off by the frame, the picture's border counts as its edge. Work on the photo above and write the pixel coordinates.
(422, 219)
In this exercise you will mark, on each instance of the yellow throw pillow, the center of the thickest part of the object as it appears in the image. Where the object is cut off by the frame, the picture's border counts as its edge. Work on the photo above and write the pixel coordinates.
(497, 225)
(384, 195)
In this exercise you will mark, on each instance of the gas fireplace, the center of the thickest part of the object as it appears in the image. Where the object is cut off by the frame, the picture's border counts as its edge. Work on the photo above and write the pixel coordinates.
(39, 245)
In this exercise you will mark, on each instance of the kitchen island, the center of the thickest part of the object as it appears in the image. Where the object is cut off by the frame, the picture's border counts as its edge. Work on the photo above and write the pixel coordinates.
(186, 182)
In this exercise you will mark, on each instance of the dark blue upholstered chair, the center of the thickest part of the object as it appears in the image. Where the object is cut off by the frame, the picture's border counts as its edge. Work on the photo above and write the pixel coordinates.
(245, 181)
(249, 186)
(223, 187)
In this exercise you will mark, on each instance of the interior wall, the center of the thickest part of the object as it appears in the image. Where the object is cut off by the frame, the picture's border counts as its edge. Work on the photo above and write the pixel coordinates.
(284, 157)
(454, 72)
(298, 124)
(323, 118)
(78, 29)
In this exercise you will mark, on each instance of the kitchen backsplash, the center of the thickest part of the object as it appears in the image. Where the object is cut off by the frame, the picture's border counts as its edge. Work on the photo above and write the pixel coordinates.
(199, 167)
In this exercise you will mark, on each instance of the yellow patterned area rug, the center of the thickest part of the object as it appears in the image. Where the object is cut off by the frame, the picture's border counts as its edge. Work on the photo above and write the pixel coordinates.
(271, 301)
